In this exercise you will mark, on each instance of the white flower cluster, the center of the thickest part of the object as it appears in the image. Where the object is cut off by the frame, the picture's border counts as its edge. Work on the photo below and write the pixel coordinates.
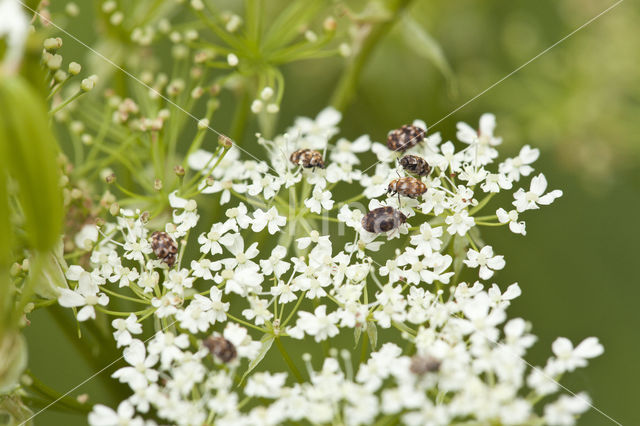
(462, 359)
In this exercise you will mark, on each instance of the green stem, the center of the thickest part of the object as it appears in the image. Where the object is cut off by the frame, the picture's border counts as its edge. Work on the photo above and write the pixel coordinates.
(289, 361)
(56, 396)
(346, 88)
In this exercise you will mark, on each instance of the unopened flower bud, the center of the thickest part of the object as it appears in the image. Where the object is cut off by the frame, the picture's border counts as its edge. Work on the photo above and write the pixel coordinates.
(74, 68)
(210, 180)
(116, 18)
(197, 92)
(53, 43)
(329, 24)
(273, 108)
(232, 59)
(225, 141)
(16, 268)
(310, 36)
(82, 398)
(197, 5)
(256, 106)
(60, 76)
(54, 62)
(86, 139)
(157, 185)
(109, 6)
(179, 170)
(144, 217)
(266, 93)
(99, 222)
(110, 178)
(88, 84)
(203, 124)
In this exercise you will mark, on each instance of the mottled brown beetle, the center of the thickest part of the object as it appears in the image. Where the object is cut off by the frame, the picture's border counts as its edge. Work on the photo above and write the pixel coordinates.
(421, 365)
(405, 137)
(415, 165)
(221, 348)
(307, 158)
(164, 247)
(407, 186)
(383, 219)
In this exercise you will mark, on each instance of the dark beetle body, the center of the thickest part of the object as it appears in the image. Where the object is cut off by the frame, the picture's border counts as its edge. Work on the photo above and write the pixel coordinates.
(405, 137)
(307, 158)
(222, 348)
(421, 365)
(383, 219)
(164, 247)
(415, 165)
(407, 186)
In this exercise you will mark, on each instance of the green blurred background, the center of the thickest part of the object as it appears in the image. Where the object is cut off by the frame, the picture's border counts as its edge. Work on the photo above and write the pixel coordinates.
(579, 103)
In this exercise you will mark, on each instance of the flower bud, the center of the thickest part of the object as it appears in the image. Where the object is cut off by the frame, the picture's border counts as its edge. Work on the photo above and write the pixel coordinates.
(256, 106)
(74, 68)
(232, 59)
(267, 93)
(60, 76)
(179, 170)
(114, 209)
(72, 9)
(53, 43)
(225, 141)
(111, 178)
(273, 108)
(54, 62)
(87, 84)
(329, 24)
(203, 124)
(197, 5)
(157, 185)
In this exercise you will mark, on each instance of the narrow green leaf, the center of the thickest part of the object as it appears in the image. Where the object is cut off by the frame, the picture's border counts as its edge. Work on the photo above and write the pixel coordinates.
(418, 39)
(287, 25)
(372, 332)
(267, 341)
(30, 150)
(357, 332)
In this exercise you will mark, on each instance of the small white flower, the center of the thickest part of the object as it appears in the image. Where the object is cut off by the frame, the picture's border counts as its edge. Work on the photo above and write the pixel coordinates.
(319, 324)
(320, 200)
(511, 217)
(140, 373)
(530, 199)
(271, 219)
(125, 328)
(265, 385)
(102, 415)
(486, 260)
(570, 358)
(563, 412)
(513, 168)
(87, 236)
(459, 223)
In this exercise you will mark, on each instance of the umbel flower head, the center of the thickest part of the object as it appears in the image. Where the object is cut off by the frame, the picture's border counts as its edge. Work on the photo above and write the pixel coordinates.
(294, 261)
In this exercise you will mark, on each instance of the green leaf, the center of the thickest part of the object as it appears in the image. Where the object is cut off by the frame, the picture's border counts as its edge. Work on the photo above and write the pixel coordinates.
(417, 38)
(357, 332)
(372, 332)
(13, 359)
(51, 274)
(29, 150)
(286, 26)
(267, 341)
